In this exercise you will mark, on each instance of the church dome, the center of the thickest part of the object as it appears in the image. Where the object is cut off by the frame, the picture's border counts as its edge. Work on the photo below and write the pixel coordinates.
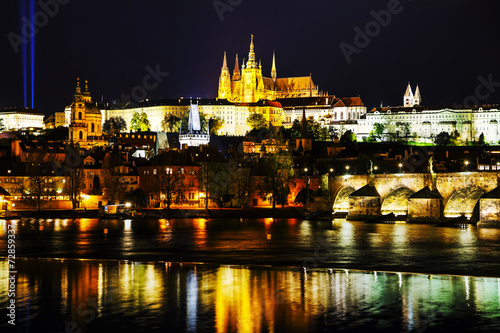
(92, 109)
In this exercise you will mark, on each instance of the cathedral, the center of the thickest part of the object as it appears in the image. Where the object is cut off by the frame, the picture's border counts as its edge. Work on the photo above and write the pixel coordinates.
(85, 128)
(410, 100)
(248, 85)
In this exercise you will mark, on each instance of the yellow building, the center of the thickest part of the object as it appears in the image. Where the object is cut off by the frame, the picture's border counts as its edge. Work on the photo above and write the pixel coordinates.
(85, 128)
(250, 86)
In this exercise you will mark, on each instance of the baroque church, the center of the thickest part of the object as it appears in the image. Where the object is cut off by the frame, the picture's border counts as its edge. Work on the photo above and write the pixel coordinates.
(85, 128)
(248, 85)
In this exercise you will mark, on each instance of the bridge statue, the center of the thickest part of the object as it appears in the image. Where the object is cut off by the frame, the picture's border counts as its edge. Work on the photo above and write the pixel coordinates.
(371, 168)
(430, 165)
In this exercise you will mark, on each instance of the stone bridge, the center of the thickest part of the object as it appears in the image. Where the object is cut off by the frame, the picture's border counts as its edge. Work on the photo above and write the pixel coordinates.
(449, 195)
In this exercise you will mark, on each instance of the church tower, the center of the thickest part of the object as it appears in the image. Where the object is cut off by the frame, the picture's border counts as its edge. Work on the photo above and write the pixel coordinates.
(225, 81)
(418, 98)
(86, 119)
(408, 99)
(251, 75)
(273, 70)
(236, 71)
(77, 127)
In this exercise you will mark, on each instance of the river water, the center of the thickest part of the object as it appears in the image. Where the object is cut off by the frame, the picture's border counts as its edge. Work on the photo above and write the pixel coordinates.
(251, 275)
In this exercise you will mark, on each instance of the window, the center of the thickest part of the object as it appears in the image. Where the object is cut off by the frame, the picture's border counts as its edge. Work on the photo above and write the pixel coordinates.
(154, 171)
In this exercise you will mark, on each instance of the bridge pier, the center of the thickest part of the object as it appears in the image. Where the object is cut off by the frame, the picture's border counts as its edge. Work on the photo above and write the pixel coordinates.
(454, 194)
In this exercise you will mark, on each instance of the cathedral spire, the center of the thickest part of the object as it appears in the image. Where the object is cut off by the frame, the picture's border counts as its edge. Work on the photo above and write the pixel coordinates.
(273, 70)
(236, 72)
(251, 56)
(418, 98)
(224, 63)
(408, 99)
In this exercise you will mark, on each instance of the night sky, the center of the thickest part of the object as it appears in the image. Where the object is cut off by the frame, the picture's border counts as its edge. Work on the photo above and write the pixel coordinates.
(443, 45)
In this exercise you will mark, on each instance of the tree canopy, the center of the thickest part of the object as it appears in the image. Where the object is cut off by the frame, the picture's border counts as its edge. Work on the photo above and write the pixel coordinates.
(314, 130)
(119, 124)
(256, 121)
(140, 122)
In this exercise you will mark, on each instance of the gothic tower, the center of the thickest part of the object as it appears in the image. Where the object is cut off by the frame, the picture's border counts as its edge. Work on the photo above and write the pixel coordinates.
(251, 75)
(408, 99)
(418, 98)
(236, 71)
(273, 70)
(225, 81)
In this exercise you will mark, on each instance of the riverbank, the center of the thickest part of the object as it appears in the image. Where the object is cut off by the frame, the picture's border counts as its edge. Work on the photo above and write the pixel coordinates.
(281, 212)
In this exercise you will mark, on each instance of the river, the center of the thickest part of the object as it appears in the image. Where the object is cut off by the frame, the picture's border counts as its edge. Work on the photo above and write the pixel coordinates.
(251, 275)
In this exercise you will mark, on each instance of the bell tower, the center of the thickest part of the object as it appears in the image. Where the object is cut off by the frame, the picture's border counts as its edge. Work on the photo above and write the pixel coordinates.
(77, 128)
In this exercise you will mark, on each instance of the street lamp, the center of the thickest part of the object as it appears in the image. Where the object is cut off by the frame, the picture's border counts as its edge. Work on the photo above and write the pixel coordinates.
(466, 165)
(331, 169)
(400, 166)
(307, 185)
(375, 168)
(346, 169)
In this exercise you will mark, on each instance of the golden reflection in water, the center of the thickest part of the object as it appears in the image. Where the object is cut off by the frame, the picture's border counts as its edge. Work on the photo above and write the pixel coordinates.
(3, 227)
(346, 234)
(85, 224)
(200, 234)
(138, 285)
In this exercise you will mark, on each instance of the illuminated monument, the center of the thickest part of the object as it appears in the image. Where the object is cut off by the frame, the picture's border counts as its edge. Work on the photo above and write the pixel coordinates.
(85, 128)
(194, 135)
(250, 86)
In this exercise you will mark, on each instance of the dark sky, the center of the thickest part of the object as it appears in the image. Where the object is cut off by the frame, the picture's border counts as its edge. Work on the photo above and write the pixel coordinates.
(444, 45)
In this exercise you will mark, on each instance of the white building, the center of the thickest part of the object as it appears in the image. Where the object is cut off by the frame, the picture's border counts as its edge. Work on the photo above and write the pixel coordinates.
(427, 122)
(18, 118)
(193, 136)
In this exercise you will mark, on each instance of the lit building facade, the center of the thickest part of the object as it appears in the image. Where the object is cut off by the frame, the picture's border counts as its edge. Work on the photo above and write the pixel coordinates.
(16, 118)
(85, 127)
(427, 122)
(248, 85)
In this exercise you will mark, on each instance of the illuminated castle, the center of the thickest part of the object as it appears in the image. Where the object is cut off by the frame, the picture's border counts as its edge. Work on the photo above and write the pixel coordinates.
(249, 86)
(86, 118)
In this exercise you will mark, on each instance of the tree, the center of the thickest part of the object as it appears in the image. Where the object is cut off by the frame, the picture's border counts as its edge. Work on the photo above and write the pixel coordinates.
(275, 178)
(170, 123)
(114, 188)
(74, 184)
(170, 185)
(442, 139)
(348, 137)
(216, 124)
(377, 132)
(333, 132)
(119, 125)
(406, 129)
(314, 130)
(240, 182)
(481, 141)
(256, 121)
(140, 122)
(38, 178)
(96, 185)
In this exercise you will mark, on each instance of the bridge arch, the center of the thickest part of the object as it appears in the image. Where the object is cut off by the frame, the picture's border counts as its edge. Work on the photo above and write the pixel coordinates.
(341, 202)
(397, 201)
(463, 201)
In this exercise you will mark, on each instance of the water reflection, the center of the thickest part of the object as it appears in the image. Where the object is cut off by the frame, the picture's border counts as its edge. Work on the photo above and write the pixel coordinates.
(98, 296)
